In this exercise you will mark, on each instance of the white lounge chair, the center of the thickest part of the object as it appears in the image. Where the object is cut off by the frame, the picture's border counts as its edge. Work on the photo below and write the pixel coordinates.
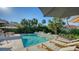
(58, 43)
(35, 48)
(56, 48)
(62, 44)
(51, 46)
(70, 48)
(66, 40)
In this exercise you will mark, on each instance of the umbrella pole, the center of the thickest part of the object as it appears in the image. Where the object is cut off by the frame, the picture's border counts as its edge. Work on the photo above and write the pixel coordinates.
(68, 25)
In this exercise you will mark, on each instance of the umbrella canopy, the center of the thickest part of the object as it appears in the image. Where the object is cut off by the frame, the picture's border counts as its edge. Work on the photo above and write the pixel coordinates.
(60, 11)
(76, 20)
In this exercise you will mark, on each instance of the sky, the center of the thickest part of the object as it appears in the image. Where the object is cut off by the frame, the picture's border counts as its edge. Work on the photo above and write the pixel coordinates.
(16, 14)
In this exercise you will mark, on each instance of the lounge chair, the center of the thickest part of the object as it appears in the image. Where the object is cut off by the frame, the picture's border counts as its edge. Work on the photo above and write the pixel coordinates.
(70, 48)
(62, 44)
(66, 40)
(35, 48)
(58, 43)
(9, 34)
(51, 46)
(5, 49)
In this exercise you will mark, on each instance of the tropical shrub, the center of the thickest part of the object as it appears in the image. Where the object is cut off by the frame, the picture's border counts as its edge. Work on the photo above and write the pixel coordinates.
(74, 31)
(55, 25)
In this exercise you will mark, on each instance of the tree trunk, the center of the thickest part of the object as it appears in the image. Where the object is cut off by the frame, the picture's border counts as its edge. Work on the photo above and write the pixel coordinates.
(55, 31)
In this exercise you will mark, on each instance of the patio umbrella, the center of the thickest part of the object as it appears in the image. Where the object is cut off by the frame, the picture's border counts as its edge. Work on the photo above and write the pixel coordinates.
(76, 20)
(60, 11)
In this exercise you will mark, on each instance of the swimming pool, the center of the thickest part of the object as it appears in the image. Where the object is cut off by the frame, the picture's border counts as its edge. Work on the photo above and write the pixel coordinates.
(32, 39)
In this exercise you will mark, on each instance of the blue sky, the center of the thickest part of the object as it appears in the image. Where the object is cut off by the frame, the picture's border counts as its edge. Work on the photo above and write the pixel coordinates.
(18, 13)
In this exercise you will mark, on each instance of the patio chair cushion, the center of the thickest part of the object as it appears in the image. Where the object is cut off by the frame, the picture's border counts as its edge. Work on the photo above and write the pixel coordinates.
(51, 46)
(70, 48)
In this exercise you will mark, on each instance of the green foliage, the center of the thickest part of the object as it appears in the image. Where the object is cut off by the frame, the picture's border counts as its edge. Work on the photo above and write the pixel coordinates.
(74, 31)
(70, 36)
(34, 21)
(56, 24)
(10, 30)
(43, 21)
(1, 25)
(32, 25)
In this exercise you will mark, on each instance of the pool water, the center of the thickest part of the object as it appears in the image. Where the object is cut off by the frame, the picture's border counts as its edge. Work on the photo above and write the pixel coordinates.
(32, 39)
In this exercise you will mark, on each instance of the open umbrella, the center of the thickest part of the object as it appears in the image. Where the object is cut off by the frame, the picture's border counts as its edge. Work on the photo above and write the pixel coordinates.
(60, 11)
(76, 20)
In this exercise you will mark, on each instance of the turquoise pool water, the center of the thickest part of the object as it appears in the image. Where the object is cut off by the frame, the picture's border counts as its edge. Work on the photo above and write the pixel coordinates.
(32, 39)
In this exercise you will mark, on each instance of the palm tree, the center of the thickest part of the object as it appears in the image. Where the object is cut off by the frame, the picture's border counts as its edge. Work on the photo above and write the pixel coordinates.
(43, 21)
(29, 25)
(34, 22)
(24, 22)
(55, 24)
